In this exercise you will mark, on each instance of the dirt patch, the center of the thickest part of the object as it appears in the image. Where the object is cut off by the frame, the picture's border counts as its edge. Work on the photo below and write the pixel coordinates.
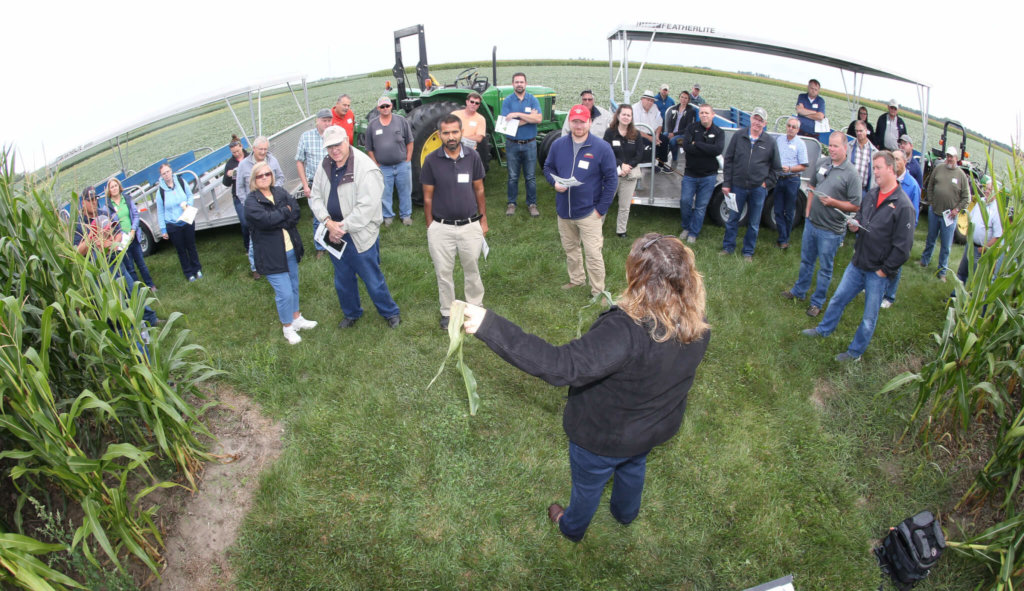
(822, 393)
(201, 527)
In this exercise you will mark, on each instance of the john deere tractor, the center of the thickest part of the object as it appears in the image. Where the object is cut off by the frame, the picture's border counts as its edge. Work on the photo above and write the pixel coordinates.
(425, 105)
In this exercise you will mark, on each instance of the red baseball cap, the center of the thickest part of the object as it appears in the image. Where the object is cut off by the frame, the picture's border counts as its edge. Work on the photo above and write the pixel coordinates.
(579, 113)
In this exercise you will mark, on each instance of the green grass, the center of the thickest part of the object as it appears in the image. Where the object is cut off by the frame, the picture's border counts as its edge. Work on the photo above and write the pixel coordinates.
(785, 463)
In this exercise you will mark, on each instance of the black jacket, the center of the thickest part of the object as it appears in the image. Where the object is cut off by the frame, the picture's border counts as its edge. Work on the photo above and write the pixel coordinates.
(266, 220)
(627, 393)
(879, 137)
(230, 165)
(890, 232)
(747, 164)
(672, 113)
(629, 152)
(702, 146)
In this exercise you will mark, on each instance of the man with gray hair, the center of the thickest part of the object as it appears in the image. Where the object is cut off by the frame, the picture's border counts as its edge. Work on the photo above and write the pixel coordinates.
(308, 156)
(793, 156)
(600, 118)
(751, 167)
(389, 144)
(342, 116)
(260, 152)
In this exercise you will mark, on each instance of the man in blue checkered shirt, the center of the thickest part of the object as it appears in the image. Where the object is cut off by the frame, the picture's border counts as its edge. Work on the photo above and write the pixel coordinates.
(309, 156)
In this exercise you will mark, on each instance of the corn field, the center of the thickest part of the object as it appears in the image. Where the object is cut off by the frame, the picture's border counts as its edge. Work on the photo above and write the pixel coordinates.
(974, 383)
(87, 406)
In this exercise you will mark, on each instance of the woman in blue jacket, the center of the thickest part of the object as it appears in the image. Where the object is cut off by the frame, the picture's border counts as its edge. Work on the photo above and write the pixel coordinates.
(129, 216)
(173, 196)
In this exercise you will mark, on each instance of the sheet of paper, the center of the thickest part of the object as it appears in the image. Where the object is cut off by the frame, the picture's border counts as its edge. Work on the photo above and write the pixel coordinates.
(949, 217)
(569, 182)
(188, 215)
(485, 249)
(320, 237)
(508, 127)
(730, 202)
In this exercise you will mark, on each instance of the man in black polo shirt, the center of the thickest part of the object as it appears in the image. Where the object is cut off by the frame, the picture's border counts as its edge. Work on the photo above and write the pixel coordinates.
(455, 209)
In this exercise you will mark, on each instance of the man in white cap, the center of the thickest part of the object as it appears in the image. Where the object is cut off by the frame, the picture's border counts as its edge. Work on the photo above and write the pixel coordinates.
(345, 197)
(308, 156)
(389, 144)
(646, 112)
(581, 208)
(948, 192)
(890, 128)
(752, 165)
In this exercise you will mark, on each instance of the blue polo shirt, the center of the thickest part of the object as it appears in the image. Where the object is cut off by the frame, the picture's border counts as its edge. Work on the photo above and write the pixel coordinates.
(818, 104)
(791, 153)
(663, 105)
(529, 105)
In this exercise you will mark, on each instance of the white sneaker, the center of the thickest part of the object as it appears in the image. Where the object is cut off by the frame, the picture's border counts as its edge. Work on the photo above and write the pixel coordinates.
(886, 304)
(684, 234)
(691, 240)
(291, 334)
(301, 323)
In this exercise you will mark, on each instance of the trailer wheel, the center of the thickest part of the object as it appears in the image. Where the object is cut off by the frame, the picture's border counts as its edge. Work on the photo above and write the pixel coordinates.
(145, 238)
(719, 211)
(424, 120)
(768, 213)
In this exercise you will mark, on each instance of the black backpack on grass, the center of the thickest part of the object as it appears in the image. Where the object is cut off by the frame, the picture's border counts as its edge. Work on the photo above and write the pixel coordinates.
(911, 549)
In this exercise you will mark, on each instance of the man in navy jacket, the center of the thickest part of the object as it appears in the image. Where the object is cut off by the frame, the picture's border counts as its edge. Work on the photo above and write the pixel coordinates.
(582, 205)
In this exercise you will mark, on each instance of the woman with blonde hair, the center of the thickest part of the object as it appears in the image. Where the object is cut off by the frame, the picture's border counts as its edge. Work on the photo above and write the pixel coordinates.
(273, 216)
(128, 214)
(628, 376)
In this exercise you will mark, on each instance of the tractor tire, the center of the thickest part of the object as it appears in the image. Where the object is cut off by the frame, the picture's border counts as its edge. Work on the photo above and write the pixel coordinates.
(544, 146)
(424, 120)
(960, 233)
(718, 211)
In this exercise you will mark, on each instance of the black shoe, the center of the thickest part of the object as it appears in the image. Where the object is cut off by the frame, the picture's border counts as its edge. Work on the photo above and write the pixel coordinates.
(394, 321)
(620, 234)
(347, 322)
(444, 322)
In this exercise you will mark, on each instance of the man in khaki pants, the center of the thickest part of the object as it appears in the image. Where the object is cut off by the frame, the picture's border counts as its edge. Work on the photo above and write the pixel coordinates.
(581, 168)
(454, 206)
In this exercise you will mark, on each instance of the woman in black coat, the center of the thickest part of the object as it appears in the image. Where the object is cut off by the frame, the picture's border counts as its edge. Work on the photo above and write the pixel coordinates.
(628, 377)
(629, 151)
(272, 215)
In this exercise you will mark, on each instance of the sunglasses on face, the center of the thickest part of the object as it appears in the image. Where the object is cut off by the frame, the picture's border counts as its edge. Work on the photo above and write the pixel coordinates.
(384, 107)
(264, 175)
(472, 102)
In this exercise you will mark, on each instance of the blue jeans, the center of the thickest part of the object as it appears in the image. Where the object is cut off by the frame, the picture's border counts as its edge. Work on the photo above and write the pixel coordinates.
(892, 285)
(365, 265)
(754, 200)
(785, 205)
(853, 282)
(693, 201)
(240, 211)
(400, 176)
(937, 228)
(286, 289)
(590, 473)
(133, 259)
(821, 245)
(522, 158)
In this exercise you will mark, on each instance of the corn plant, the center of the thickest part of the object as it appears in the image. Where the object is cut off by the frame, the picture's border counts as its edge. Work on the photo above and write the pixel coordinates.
(455, 340)
(975, 379)
(87, 399)
(22, 568)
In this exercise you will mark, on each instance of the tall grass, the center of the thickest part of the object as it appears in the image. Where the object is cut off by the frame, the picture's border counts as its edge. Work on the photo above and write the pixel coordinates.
(87, 405)
(973, 384)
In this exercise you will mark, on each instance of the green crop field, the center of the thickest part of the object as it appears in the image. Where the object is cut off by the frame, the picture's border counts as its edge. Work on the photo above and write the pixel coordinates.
(786, 462)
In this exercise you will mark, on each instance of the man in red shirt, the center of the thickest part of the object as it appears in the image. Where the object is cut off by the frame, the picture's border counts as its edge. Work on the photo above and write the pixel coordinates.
(343, 117)
(885, 235)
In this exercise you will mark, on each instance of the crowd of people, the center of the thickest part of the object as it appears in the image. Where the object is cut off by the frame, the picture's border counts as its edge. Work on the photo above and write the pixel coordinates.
(628, 377)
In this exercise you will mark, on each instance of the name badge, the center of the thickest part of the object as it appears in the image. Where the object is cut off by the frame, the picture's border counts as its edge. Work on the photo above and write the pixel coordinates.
(379, 132)
(955, 181)
(463, 177)
(814, 105)
(822, 171)
(528, 109)
(472, 123)
(584, 164)
(711, 136)
(616, 143)
(792, 147)
(349, 121)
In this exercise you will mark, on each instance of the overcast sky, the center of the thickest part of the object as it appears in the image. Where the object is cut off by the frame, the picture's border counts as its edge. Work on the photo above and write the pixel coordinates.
(77, 71)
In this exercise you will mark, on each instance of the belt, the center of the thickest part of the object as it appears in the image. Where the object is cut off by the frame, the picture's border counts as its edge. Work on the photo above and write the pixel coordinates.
(461, 222)
(787, 176)
(522, 141)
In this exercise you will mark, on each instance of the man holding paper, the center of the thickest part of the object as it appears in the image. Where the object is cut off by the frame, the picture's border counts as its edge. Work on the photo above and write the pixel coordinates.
(521, 147)
(455, 207)
(836, 189)
(948, 192)
(581, 168)
(751, 167)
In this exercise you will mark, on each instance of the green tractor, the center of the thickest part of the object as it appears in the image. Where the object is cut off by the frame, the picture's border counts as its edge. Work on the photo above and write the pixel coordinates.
(427, 104)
